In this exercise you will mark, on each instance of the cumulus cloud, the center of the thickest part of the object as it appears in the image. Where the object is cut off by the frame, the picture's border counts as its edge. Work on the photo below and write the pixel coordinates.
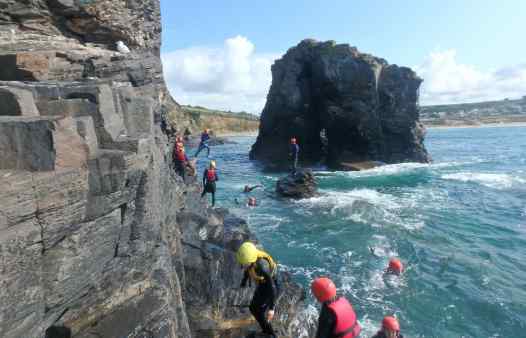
(234, 77)
(448, 81)
(231, 77)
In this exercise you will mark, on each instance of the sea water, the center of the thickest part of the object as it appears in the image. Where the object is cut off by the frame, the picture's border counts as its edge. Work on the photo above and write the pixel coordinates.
(458, 224)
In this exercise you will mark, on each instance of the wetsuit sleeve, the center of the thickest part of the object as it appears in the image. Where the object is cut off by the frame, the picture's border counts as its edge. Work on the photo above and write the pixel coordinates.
(245, 279)
(185, 158)
(326, 323)
(263, 270)
(204, 176)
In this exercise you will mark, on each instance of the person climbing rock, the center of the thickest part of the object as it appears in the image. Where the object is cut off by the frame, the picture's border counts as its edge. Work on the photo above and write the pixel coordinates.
(293, 154)
(180, 160)
(337, 316)
(205, 137)
(209, 181)
(248, 188)
(395, 267)
(261, 269)
(390, 329)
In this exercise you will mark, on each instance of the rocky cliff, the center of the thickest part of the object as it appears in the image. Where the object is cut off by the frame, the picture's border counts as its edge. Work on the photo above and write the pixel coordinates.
(342, 106)
(97, 236)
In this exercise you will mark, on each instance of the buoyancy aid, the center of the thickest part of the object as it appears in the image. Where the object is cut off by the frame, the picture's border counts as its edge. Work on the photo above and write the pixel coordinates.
(179, 154)
(211, 175)
(252, 270)
(346, 324)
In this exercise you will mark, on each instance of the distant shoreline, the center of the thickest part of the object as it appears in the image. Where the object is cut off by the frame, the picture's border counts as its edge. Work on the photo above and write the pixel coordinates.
(485, 125)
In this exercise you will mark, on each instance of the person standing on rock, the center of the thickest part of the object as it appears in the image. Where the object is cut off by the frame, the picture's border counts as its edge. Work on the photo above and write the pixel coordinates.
(180, 159)
(337, 316)
(293, 154)
(205, 137)
(209, 181)
(262, 270)
(390, 329)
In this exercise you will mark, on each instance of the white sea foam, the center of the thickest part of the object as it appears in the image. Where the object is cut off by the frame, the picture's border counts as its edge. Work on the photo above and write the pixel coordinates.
(491, 180)
(365, 206)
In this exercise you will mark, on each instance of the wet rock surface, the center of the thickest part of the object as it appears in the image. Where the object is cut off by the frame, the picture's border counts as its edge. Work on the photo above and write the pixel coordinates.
(97, 234)
(301, 184)
(342, 106)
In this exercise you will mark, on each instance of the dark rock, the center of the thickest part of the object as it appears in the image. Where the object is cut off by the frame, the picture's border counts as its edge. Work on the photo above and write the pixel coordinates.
(98, 236)
(358, 166)
(342, 106)
(302, 184)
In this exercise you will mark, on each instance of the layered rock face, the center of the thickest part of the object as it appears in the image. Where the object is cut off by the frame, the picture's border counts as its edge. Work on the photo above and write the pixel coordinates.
(342, 106)
(96, 233)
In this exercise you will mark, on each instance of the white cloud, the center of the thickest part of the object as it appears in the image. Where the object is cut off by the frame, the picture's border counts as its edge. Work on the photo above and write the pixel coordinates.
(232, 77)
(448, 81)
(235, 77)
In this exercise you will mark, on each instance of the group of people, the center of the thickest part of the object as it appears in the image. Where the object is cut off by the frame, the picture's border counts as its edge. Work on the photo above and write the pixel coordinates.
(183, 165)
(337, 318)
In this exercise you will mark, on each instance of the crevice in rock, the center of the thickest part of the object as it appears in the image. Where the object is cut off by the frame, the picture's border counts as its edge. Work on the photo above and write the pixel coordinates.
(123, 207)
(58, 332)
(139, 208)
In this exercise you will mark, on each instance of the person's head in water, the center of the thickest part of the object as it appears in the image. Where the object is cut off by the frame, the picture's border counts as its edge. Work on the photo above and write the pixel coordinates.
(391, 327)
(246, 188)
(212, 164)
(395, 266)
(293, 140)
(252, 202)
(323, 289)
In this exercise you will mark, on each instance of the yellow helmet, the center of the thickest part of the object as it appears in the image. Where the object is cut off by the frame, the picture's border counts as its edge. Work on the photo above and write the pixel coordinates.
(247, 253)
(212, 164)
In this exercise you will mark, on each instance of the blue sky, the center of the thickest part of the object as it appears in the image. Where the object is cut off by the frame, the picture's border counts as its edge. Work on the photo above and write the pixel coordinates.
(465, 50)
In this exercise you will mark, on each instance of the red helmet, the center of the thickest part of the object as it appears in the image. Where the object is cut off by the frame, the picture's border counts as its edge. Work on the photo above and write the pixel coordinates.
(395, 265)
(323, 289)
(391, 323)
(293, 140)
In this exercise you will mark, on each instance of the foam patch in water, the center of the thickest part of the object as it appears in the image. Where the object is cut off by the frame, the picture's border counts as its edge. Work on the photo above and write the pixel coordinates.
(496, 181)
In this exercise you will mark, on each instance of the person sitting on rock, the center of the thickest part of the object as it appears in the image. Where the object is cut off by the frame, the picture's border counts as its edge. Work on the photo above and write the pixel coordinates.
(261, 269)
(248, 189)
(205, 137)
(390, 329)
(209, 181)
(293, 154)
(337, 316)
(180, 159)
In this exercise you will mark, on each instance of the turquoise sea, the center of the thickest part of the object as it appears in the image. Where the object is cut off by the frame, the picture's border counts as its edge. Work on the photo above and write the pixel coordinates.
(459, 224)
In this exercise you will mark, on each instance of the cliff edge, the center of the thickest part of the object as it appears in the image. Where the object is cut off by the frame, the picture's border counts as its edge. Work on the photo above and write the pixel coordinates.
(97, 235)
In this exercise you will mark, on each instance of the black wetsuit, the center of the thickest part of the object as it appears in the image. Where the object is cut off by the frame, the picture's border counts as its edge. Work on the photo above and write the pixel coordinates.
(381, 334)
(294, 152)
(265, 295)
(326, 323)
(209, 186)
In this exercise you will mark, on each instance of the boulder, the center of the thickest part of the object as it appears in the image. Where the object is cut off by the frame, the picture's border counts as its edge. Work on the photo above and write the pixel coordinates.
(302, 184)
(342, 106)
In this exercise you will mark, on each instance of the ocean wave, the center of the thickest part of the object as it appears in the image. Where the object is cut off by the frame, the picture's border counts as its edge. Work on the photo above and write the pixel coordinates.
(365, 206)
(491, 180)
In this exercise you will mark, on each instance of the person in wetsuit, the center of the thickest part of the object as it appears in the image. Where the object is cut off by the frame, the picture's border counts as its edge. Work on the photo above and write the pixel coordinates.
(180, 160)
(248, 188)
(209, 181)
(261, 269)
(293, 154)
(205, 137)
(390, 329)
(337, 317)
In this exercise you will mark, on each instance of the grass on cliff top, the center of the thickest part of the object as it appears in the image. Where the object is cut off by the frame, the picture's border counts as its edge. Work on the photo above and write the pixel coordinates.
(198, 110)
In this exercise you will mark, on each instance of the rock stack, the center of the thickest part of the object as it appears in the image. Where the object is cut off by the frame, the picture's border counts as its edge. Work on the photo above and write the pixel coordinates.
(97, 236)
(342, 106)
(301, 184)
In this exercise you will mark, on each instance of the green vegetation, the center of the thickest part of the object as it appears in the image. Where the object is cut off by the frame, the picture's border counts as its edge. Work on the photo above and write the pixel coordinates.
(198, 110)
